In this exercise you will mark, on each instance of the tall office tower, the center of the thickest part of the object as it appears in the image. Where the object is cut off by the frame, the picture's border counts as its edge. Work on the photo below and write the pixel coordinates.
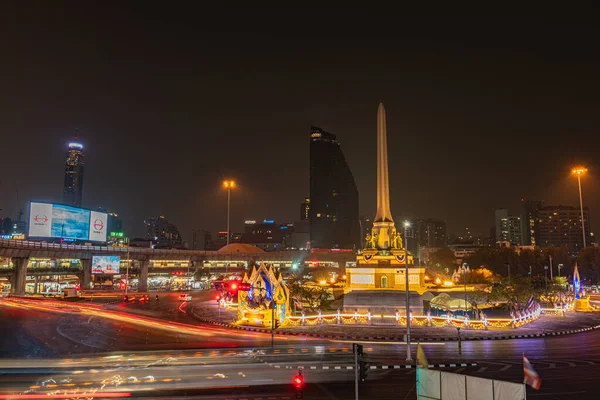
(73, 186)
(333, 211)
(305, 209)
(529, 211)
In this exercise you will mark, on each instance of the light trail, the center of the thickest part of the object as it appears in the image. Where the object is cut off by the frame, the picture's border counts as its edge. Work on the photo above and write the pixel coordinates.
(94, 310)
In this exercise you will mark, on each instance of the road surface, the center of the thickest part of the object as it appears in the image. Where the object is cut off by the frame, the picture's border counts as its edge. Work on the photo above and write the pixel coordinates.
(117, 355)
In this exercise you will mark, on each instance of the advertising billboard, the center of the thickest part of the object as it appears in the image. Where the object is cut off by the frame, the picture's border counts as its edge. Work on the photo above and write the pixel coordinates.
(105, 264)
(47, 220)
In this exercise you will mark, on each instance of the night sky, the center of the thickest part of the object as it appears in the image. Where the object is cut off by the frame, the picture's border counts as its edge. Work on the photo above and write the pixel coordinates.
(169, 101)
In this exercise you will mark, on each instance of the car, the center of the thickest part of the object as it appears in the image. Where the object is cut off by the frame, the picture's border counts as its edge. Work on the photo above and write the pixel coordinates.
(185, 297)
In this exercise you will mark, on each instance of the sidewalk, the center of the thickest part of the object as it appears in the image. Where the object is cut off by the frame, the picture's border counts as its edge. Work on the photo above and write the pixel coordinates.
(546, 325)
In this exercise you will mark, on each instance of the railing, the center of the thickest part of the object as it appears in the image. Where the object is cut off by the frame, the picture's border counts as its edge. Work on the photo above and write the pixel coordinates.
(415, 320)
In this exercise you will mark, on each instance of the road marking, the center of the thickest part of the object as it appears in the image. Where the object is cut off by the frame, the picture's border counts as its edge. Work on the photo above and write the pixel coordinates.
(388, 343)
(482, 369)
(506, 367)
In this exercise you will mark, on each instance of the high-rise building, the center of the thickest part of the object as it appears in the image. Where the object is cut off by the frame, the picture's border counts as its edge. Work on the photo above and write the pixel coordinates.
(73, 185)
(431, 233)
(267, 235)
(529, 211)
(333, 210)
(305, 209)
(508, 227)
(366, 226)
(163, 233)
(560, 226)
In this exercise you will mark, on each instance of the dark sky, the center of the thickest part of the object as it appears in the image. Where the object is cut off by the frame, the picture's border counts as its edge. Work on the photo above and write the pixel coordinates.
(482, 111)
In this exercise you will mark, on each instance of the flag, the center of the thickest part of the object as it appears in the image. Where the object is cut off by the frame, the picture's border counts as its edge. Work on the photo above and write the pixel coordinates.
(421, 359)
(531, 377)
(529, 304)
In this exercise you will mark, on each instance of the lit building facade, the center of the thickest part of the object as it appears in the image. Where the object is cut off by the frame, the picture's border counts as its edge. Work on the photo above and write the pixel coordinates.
(560, 226)
(508, 227)
(333, 211)
(163, 233)
(529, 212)
(305, 209)
(267, 235)
(73, 185)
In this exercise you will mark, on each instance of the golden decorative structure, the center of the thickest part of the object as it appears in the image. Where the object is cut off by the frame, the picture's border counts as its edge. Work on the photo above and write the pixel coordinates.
(267, 289)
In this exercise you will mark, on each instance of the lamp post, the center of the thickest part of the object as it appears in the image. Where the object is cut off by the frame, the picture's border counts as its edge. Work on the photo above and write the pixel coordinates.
(127, 273)
(546, 281)
(408, 356)
(580, 171)
(464, 269)
(228, 185)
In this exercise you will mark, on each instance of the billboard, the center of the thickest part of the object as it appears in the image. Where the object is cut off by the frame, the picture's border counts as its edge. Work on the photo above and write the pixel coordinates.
(105, 264)
(49, 220)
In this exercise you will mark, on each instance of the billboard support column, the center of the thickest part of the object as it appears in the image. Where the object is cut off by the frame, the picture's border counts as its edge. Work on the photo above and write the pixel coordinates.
(86, 273)
(143, 276)
(20, 275)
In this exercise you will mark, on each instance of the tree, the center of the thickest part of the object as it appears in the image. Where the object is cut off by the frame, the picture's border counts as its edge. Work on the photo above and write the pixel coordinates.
(317, 297)
(589, 264)
(442, 259)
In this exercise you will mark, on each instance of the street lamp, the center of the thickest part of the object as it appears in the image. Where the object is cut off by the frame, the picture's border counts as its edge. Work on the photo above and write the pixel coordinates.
(580, 171)
(228, 184)
(464, 270)
(408, 357)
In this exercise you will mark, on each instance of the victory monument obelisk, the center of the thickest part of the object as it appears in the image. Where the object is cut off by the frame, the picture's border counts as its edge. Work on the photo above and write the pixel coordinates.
(380, 265)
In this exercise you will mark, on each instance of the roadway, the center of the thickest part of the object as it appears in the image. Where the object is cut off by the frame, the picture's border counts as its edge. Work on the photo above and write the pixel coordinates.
(79, 349)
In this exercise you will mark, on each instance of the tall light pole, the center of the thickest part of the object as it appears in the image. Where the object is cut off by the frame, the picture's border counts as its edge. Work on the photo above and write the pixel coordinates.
(228, 185)
(408, 356)
(580, 171)
(464, 270)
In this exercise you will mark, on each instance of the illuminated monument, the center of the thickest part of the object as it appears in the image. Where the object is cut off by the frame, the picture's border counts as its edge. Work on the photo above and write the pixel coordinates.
(381, 265)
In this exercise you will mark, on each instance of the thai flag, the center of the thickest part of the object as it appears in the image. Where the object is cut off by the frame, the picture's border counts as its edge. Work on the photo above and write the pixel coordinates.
(529, 303)
(531, 377)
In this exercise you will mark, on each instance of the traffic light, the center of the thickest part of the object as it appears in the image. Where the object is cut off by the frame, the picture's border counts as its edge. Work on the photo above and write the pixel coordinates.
(298, 383)
(358, 349)
(363, 369)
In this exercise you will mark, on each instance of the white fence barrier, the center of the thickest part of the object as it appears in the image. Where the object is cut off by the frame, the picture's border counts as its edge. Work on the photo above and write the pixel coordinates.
(439, 385)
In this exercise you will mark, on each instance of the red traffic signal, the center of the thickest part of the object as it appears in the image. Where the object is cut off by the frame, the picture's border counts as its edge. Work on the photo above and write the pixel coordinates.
(298, 381)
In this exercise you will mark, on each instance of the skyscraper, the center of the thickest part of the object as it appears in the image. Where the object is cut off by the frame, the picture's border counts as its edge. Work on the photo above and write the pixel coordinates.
(508, 227)
(529, 221)
(333, 210)
(73, 186)
(305, 209)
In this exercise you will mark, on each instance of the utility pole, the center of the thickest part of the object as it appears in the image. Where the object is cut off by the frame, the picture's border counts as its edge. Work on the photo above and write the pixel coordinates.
(408, 356)
(550, 268)
(355, 348)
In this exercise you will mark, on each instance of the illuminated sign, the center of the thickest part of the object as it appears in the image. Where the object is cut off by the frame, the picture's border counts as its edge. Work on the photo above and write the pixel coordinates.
(269, 221)
(106, 264)
(117, 234)
(77, 146)
(47, 220)
(13, 236)
(250, 222)
(315, 135)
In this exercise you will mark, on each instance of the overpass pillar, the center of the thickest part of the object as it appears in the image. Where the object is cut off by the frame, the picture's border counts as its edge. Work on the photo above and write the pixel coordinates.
(20, 276)
(86, 273)
(143, 276)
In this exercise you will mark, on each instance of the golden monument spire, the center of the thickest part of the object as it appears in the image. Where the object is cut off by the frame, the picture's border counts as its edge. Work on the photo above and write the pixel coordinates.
(384, 235)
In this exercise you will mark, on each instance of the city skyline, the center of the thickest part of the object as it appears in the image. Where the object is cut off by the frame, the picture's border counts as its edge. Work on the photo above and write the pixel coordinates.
(461, 144)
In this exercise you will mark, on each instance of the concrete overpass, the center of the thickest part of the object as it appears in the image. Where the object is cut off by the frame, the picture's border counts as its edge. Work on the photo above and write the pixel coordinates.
(146, 260)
